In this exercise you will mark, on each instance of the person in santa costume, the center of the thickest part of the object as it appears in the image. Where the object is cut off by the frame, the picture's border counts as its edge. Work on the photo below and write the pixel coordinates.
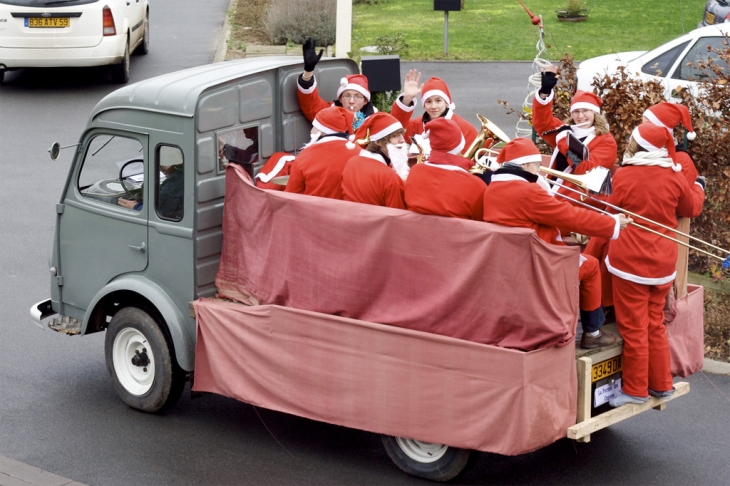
(372, 177)
(668, 116)
(353, 93)
(317, 170)
(277, 165)
(443, 186)
(586, 123)
(642, 264)
(513, 198)
(437, 103)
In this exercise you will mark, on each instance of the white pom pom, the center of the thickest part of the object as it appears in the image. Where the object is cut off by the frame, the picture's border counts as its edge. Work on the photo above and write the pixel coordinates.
(691, 135)
(351, 145)
(343, 82)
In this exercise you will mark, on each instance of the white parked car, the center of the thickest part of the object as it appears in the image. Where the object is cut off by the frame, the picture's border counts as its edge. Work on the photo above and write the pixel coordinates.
(73, 33)
(672, 64)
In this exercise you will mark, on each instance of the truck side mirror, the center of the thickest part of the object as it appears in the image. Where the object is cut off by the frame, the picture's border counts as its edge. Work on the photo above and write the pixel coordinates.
(55, 150)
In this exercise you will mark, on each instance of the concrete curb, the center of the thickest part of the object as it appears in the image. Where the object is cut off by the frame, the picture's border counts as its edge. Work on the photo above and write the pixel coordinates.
(222, 47)
(716, 367)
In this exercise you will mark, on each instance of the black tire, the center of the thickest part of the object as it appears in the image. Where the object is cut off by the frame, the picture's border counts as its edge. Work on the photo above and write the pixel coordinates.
(144, 47)
(435, 462)
(141, 361)
(120, 72)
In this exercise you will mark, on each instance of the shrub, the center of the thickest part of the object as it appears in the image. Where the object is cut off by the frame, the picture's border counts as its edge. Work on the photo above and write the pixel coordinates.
(392, 44)
(295, 20)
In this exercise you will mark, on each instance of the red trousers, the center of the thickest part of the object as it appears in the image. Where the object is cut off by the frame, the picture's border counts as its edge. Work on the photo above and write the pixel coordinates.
(598, 247)
(590, 284)
(640, 318)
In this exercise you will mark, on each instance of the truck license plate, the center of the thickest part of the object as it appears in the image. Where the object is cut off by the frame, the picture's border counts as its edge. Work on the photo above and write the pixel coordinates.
(710, 18)
(605, 368)
(54, 23)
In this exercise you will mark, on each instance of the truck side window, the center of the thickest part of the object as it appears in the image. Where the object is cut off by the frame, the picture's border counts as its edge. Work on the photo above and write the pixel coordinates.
(113, 170)
(170, 183)
(240, 146)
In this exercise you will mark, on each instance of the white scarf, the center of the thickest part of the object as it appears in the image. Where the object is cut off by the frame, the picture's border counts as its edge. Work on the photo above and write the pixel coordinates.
(582, 133)
(657, 158)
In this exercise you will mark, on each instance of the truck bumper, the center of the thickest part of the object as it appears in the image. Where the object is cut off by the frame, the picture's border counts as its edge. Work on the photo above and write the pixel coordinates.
(40, 311)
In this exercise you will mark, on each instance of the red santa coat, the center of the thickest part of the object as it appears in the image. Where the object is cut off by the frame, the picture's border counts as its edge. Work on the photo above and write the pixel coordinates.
(317, 170)
(661, 195)
(511, 200)
(416, 126)
(278, 165)
(368, 179)
(602, 148)
(444, 187)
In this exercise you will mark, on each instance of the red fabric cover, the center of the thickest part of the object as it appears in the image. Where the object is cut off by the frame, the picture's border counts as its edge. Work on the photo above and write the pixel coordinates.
(687, 333)
(385, 379)
(466, 279)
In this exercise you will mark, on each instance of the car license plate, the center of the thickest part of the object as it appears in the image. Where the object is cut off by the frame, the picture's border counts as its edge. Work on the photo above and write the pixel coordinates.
(605, 368)
(709, 17)
(53, 23)
(606, 392)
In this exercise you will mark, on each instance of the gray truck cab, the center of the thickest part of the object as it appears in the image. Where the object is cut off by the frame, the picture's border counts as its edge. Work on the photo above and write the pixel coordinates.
(138, 228)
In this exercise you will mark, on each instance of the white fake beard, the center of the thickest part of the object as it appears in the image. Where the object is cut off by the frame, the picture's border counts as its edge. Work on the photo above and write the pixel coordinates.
(313, 137)
(399, 159)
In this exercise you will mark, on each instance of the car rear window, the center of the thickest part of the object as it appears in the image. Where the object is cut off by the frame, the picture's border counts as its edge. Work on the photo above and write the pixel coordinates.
(46, 3)
(660, 65)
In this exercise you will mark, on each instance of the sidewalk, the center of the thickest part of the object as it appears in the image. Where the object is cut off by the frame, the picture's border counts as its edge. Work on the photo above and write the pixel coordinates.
(14, 473)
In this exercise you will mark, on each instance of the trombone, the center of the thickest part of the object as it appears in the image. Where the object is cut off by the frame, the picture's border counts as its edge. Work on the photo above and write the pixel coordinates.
(581, 182)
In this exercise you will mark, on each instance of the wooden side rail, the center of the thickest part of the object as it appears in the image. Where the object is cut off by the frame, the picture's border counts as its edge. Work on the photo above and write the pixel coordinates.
(587, 427)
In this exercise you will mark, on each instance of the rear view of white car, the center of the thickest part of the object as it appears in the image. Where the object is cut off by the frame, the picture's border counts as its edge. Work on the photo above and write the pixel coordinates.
(73, 33)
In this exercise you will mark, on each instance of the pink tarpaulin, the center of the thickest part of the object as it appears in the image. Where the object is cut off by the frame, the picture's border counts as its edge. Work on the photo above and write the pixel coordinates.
(466, 279)
(686, 333)
(385, 379)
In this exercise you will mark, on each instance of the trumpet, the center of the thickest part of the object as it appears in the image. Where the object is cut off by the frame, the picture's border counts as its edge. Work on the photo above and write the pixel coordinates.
(477, 151)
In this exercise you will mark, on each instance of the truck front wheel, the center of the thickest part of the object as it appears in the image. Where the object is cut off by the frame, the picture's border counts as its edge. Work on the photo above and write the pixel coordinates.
(437, 462)
(141, 362)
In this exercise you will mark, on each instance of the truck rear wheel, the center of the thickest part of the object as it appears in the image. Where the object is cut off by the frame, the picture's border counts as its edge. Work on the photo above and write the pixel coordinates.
(141, 361)
(437, 462)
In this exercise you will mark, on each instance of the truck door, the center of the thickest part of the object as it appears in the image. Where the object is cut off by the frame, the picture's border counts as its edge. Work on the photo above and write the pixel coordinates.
(103, 223)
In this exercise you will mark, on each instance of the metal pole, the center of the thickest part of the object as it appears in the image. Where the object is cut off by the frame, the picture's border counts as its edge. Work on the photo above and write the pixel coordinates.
(446, 31)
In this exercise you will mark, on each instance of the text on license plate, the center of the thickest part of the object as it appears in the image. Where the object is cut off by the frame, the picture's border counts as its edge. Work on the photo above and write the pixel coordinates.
(710, 18)
(605, 368)
(55, 22)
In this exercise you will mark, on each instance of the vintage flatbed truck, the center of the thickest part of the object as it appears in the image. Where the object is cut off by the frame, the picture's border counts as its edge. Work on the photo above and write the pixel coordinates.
(445, 336)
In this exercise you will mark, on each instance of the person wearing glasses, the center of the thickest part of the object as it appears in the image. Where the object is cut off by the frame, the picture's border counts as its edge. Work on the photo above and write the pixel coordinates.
(437, 103)
(353, 93)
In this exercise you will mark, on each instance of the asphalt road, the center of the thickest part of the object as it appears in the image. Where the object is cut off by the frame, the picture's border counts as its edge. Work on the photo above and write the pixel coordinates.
(59, 412)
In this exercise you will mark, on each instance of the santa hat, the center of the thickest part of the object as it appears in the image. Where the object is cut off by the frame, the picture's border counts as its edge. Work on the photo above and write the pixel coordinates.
(585, 101)
(445, 136)
(652, 137)
(333, 119)
(519, 151)
(669, 115)
(375, 127)
(436, 87)
(356, 82)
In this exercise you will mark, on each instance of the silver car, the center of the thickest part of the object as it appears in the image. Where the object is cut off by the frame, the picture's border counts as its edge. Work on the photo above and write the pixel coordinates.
(716, 12)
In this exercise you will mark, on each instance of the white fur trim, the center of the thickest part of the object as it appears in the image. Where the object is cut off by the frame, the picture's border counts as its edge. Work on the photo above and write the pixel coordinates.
(584, 106)
(507, 178)
(355, 87)
(434, 92)
(457, 150)
(582, 260)
(617, 228)
(403, 106)
(691, 135)
(703, 189)
(643, 143)
(638, 279)
(454, 168)
(277, 168)
(371, 155)
(450, 114)
(547, 100)
(653, 118)
(309, 90)
(385, 131)
(526, 159)
(324, 129)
